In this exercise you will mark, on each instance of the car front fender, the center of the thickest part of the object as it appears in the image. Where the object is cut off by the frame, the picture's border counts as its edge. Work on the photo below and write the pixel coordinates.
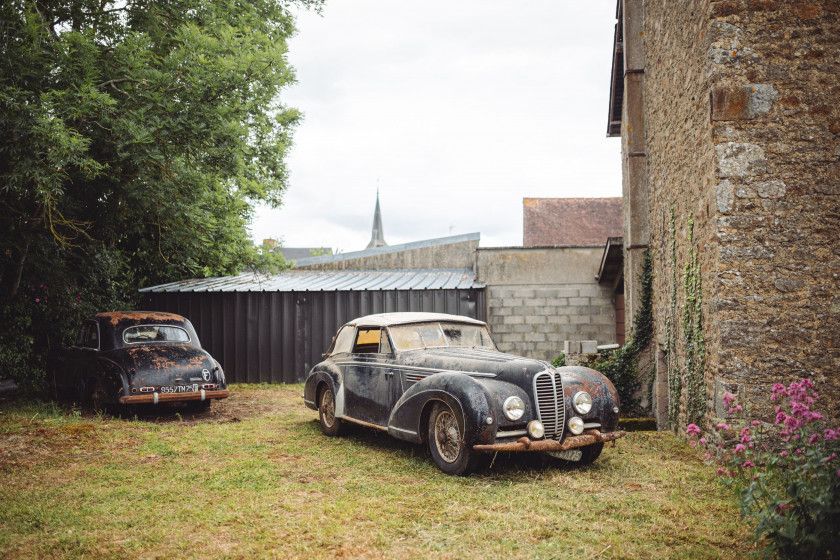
(463, 394)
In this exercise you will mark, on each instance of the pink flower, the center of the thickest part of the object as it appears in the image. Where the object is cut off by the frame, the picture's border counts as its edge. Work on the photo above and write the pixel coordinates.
(784, 453)
(703, 440)
(37, 300)
(739, 408)
(740, 447)
(838, 472)
(830, 434)
(755, 423)
(748, 464)
(728, 398)
(814, 439)
(692, 443)
(721, 471)
(692, 429)
(799, 452)
(830, 458)
(723, 426)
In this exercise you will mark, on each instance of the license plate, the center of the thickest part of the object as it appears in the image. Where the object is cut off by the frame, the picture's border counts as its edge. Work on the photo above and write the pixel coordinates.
(180, 388)
(569, 455)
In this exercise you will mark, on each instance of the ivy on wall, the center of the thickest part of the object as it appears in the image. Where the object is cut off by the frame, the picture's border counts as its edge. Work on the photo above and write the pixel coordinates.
(687, 375)
(621, 366)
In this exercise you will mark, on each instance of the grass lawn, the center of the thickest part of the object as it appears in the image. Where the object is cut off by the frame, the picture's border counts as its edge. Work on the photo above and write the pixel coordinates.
(255, 478)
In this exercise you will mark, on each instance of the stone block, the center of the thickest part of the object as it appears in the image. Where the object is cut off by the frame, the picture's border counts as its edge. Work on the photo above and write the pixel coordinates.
(724, 196)
(571, 347)
(578, 301)
(770, 189)
(588, 346)
(736, 389)
(514, 320)
(742, 102)
(738, 159)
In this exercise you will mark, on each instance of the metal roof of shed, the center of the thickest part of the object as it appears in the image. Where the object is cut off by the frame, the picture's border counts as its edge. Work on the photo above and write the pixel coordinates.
(328, 281)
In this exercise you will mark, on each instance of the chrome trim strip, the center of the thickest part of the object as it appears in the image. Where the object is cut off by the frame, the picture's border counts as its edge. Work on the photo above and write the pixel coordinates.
(401, 430)
(513, 433)
(591, 425)
(307, 401)
(363, 423)
(431, 371)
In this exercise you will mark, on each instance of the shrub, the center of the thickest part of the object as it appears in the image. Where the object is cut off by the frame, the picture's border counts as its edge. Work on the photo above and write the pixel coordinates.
(787, 476)
(559, 361)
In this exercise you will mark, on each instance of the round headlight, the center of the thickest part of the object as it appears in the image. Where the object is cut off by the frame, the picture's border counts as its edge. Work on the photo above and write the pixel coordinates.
(576, 425)
(513, 408)
(582, 401)
(536, 429)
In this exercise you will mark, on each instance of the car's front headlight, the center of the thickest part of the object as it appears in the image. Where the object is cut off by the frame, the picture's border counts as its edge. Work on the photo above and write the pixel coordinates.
(582, 401)
(536, 429)
(576, 425)
(513, 408)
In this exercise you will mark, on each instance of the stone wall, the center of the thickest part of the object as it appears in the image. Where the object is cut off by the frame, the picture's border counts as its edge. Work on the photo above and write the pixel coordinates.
(743, 139)
(457, 251)
(539, 297)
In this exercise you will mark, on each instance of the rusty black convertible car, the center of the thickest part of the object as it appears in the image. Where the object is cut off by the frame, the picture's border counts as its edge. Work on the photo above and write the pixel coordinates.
(439, 379)
(139, 357)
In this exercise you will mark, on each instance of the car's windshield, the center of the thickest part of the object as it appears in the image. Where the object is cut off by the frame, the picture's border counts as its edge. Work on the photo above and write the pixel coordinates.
(425, 335)
(155, 333)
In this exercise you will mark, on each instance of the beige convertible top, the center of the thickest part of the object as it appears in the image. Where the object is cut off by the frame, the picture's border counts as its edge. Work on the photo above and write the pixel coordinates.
(390, 319)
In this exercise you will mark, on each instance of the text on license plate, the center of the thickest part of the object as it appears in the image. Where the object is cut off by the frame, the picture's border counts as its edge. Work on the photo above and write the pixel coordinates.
(180, 388)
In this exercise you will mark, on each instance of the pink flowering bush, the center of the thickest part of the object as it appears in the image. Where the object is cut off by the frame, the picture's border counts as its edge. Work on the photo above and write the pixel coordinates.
(787, 476)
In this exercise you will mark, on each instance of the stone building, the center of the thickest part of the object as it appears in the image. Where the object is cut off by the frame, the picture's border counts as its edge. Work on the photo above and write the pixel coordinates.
(730, 127)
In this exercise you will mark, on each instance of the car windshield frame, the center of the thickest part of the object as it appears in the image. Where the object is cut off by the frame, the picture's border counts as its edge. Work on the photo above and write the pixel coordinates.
(155, 340)
(432, 334)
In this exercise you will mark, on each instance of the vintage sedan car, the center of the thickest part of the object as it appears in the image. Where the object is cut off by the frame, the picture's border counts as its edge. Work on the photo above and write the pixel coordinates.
(439, 379)
(138, 357)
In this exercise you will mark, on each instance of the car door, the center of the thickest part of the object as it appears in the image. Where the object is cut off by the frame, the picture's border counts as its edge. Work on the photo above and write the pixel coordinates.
(82, 358)
(369, 385)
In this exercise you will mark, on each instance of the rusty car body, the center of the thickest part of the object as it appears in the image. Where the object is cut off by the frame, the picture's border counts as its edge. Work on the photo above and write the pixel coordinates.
(439, 379)
(138, 357)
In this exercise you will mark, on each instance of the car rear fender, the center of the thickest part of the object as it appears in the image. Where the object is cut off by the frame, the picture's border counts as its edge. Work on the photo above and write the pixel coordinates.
(113, 378)
(323, 373)
(463, 394)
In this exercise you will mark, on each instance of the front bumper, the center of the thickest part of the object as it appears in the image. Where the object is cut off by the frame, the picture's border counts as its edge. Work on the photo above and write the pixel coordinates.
(572, 442)
(155, 398)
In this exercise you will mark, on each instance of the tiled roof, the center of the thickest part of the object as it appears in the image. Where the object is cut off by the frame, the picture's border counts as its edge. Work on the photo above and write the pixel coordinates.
(570, 222)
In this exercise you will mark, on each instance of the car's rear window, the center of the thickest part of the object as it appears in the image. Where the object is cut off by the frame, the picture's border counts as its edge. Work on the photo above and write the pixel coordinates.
(425, 335)
(155, 333)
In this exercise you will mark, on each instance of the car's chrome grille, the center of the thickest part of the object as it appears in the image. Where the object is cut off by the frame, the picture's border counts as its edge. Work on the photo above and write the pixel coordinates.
(548, 395)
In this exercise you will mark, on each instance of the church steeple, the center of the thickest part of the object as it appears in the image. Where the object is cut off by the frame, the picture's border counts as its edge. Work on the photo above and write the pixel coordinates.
(377, 237)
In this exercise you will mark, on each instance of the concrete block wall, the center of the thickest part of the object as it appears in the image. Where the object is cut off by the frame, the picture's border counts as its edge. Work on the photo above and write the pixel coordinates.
(539, 297)
(534, 319)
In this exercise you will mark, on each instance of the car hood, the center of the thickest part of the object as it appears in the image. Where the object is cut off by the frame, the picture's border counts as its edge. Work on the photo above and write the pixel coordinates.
(474, 360)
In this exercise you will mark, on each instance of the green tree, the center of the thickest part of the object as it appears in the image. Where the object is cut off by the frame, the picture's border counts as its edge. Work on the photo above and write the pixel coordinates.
(138, 134)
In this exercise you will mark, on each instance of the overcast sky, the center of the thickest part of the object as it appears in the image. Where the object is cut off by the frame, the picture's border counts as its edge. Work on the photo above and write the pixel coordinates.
(456, 109)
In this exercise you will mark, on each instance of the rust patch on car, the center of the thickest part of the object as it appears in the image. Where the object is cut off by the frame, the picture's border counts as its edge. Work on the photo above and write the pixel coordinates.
(117, 318)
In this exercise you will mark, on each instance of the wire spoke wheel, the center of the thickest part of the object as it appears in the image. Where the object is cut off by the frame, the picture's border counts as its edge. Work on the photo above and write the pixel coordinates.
(330, 425)
(328, 408)
(449, 448)
(447, 436)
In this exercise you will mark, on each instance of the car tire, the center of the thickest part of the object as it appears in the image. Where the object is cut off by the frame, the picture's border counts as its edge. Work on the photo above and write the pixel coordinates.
(330, 425)
(588, 456)
(99, 397)
(447, 445)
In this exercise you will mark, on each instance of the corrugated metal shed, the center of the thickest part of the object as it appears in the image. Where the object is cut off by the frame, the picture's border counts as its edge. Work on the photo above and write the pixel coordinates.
(328, 280)
(274, 328)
